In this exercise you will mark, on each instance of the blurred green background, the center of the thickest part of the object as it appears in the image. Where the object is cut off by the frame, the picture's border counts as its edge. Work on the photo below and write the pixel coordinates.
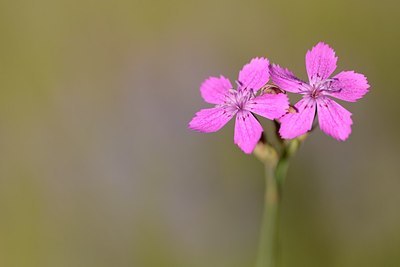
(97, 167)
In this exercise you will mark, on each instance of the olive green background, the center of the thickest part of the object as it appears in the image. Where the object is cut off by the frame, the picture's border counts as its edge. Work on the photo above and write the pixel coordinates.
(97, 167)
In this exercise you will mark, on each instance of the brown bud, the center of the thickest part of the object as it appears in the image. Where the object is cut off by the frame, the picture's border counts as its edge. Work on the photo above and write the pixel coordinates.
(272, 89)
(292, 109)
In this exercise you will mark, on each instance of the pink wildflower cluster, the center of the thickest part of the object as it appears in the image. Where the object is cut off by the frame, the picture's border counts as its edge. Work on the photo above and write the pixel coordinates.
(248, 99)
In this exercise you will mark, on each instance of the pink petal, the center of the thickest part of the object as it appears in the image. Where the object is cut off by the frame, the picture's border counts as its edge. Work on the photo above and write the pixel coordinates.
(286, 80)
(247, 131)
(255, 74)
(320, 62)
(349, 86)
(334, 120)
(210, 120)
(296, 124)
(213, 90)
(270, 106)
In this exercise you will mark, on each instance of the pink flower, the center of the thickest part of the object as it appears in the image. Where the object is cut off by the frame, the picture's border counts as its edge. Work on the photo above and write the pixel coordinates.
(334, 120)
(241, 102)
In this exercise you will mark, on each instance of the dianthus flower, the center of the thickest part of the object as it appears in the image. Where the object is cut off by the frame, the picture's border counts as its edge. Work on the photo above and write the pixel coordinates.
(242, 102)
(333, 119)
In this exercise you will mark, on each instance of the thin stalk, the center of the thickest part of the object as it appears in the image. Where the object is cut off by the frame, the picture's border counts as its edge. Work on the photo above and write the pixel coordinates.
(268, 247)
(281, 170)
(276, 168)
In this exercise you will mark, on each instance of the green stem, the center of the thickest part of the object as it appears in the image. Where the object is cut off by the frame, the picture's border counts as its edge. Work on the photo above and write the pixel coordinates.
(268, 247)
(276, 168)
(281, 170)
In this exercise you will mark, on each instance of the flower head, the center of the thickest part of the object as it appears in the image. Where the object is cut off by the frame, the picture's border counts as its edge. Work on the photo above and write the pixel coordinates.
(334, 120)
(242, 102)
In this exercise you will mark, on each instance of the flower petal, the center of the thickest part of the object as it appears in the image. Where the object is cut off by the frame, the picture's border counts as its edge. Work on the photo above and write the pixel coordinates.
(271, 106)
(334, 120)
(286, 80)
(349, 86)
(247, 131)
(320, 62)
(296, 124)
(210, 120)
(214, 89)
(255, 74)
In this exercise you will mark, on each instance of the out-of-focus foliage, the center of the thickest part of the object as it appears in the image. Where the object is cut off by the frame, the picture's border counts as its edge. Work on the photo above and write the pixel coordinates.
(97, 167)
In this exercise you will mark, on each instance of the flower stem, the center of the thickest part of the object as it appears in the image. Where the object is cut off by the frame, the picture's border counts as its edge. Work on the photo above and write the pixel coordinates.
(276, 167)
(268, 247)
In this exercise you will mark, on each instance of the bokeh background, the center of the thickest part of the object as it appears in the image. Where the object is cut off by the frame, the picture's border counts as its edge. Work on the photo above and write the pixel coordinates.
(97, 167)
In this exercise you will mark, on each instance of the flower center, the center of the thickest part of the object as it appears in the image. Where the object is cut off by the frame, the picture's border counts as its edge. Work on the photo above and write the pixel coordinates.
(315, 92)
(319, 88)
(238, 99)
